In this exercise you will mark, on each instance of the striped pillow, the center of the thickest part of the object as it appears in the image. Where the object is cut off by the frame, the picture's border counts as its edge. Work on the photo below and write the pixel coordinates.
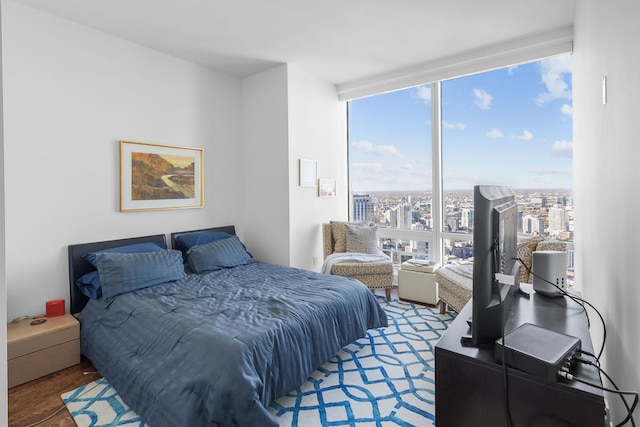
(90, 257)
(184, 241)
(217, 255)
(127, 272)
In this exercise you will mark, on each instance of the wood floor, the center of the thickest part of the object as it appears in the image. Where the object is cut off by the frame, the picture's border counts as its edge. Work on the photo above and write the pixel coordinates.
(37, 399)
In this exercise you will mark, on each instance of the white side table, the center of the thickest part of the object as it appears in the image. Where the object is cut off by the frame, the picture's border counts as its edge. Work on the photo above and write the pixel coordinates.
(417, 282)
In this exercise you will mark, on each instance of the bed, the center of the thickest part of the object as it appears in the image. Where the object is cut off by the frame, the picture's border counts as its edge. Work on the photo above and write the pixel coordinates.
(210, 347)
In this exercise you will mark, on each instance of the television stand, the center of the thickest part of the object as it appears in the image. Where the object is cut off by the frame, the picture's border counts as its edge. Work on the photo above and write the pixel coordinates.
(470, 382)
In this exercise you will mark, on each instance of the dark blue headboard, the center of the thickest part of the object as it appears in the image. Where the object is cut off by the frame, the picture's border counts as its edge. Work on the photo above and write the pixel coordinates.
(79, 267)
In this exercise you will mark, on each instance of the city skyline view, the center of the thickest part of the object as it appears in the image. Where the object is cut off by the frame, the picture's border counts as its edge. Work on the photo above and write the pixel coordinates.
(542, 213)
(510, 126)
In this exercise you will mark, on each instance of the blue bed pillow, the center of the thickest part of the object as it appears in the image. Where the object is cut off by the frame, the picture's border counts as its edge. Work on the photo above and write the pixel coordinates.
(127, 272)
(185, 241)
(217, 255)
(89, 284)
(90, 257)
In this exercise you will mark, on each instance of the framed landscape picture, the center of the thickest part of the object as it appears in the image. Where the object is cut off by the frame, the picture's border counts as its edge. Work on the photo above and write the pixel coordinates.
(154, 176)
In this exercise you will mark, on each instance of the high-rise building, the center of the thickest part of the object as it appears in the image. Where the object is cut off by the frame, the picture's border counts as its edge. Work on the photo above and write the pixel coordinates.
(558, 221)
(570, 259)
(466, 218)
(451, 223)
(362, 207)
(393, 218)
(533, 225)
(520, 220)
(405, 217)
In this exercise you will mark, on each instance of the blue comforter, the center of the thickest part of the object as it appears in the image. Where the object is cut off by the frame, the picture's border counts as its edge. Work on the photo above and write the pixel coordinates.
(216, 349)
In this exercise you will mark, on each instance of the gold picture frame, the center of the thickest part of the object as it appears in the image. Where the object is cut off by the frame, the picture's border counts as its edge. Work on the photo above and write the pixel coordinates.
(157, 177)
(327, 187)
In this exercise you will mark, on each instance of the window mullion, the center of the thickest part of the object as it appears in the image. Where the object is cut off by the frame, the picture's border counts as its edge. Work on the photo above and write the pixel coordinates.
(436, 253)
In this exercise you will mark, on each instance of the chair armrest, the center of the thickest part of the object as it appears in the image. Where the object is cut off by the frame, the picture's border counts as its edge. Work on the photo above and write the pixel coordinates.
(327, 240)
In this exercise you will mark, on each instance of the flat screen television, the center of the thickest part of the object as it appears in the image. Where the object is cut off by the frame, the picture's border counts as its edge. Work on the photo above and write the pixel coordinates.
(495, 239)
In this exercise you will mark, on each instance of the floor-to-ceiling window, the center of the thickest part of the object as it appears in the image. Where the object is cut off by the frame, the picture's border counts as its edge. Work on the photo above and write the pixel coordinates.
(390, 161)
(509, 126)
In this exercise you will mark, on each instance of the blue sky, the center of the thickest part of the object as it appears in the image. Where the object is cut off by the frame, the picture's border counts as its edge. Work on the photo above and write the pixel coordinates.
(511, 126)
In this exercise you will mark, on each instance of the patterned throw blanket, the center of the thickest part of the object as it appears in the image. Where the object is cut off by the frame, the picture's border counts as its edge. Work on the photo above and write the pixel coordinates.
(338, 257)
(465, 270)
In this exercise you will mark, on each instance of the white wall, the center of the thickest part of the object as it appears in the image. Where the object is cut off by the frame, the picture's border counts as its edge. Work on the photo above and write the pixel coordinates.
(606, 153)
(3, 277)
(317, 131)
(289, 114)
(265, 146)
(70, 94)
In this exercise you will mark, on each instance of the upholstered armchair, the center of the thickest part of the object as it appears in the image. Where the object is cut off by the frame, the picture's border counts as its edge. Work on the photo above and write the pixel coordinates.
(525, 252)
(455, 286)
(455, 283)
(351, 250)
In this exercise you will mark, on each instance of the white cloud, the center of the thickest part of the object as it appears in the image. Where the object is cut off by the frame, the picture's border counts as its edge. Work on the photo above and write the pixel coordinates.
(482, 99)
(424, 94)
(408, 168)
(374, 167)
(526, 136)
(448, 125)
(553, 71)
(551, 171)
(567, 110)
(562, 148)
(409, 171)
(494, 133)
(378, 150)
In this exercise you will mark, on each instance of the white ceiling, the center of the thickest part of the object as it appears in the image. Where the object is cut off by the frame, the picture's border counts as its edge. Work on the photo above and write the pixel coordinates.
(341, 41)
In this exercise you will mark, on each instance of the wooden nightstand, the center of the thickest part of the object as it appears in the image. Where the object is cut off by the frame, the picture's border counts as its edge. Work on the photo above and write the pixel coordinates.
(34, 351)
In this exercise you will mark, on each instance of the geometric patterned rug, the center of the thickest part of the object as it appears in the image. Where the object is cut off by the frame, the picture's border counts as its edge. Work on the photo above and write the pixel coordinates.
(383, 379)
(98, 405)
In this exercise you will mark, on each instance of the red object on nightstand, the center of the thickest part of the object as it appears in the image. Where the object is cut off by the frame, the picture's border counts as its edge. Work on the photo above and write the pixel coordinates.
(55, 308)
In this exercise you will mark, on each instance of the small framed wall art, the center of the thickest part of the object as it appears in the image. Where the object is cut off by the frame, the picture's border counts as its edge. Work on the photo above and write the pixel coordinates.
(326, 187)
(308, 173)
(154, 176)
